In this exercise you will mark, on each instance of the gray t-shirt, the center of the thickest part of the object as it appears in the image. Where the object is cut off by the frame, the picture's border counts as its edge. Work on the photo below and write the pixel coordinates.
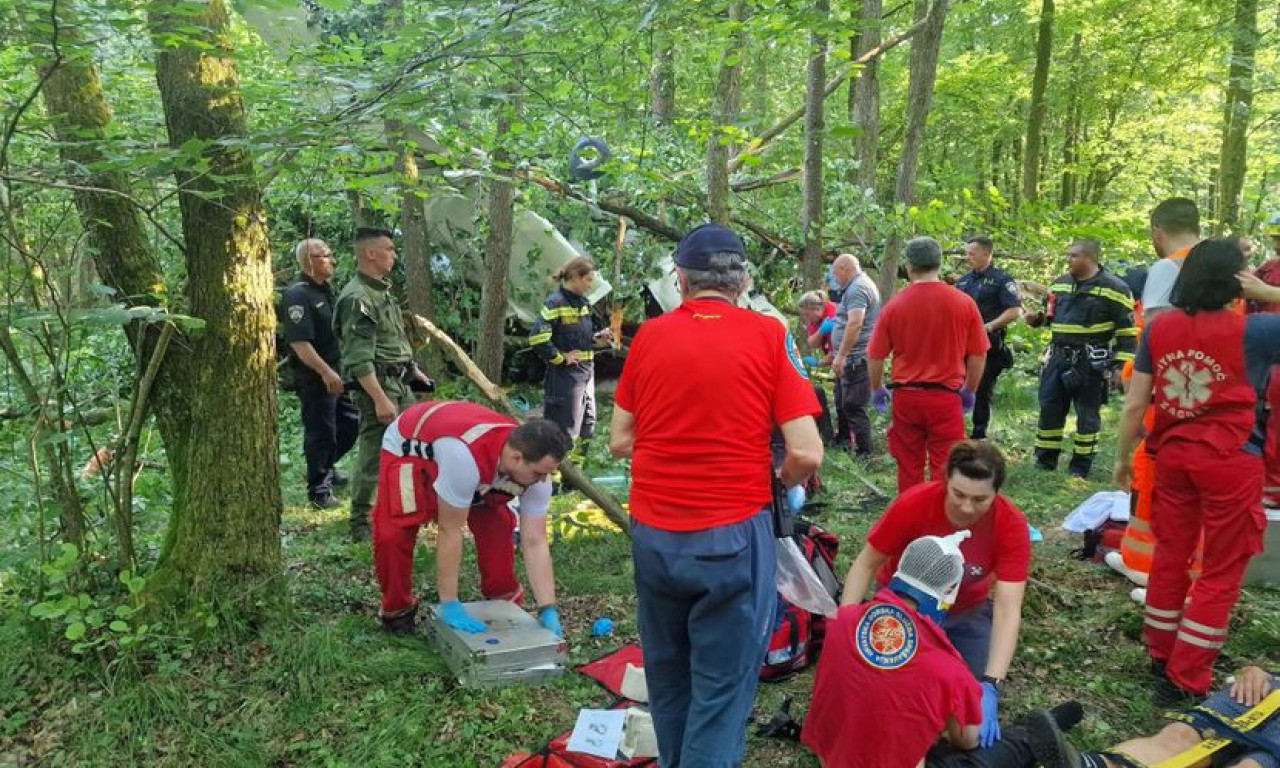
(1159, 287)
(862, 294)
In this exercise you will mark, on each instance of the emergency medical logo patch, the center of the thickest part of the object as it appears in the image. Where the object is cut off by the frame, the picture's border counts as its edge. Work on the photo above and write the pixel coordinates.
(1186, 379)
(296, 311)
(886, 637)
(793, 354)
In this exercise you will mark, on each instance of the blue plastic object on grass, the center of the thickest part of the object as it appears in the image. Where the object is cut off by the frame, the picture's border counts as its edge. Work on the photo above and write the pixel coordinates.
(1036, 535)
(602, 628)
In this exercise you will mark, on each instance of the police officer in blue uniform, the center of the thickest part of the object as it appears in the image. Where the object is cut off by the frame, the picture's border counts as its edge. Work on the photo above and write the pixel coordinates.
(330, 421)
(996, 294)
(1090, 312)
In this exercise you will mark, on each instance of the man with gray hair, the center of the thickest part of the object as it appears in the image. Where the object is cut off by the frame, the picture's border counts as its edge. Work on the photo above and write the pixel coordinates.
(703, 388)
(939, 345)
(330, 421)
(854, 322)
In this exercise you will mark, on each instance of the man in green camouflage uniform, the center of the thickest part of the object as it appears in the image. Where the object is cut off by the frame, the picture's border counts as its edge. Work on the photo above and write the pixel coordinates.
(375, 356)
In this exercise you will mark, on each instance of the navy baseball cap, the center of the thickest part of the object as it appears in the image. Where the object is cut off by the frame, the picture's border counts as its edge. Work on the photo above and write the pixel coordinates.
(698, 246)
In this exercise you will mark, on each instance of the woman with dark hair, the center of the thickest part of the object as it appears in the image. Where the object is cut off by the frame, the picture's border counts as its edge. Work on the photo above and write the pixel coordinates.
(1192, 365)
(564, 339)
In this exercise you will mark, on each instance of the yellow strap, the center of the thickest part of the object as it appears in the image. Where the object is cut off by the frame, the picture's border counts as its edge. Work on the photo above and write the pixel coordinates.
(1199, 755)
(1096, 328)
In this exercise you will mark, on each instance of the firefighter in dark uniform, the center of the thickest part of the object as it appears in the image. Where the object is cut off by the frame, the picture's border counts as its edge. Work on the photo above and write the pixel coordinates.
(1090, 312)
(996, 294)
(377, 357)
(330, 420)
(563, 337)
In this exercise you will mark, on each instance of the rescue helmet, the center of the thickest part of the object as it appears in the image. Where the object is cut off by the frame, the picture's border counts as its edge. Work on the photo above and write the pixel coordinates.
(1273, 225)
(930, 571)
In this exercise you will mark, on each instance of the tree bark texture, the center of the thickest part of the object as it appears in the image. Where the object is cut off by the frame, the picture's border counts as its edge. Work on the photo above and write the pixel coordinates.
(865, 96)
(1071, 134)
(924, 73)
(728, 96)
(1235, 115)
(1035, 118)
(497, 254)
(224, 534)
(662, 79)
(811, 208)
(419, 283)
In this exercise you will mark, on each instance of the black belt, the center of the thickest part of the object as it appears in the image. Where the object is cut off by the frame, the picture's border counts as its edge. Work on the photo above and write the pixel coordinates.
(394, 370)
(923, 385)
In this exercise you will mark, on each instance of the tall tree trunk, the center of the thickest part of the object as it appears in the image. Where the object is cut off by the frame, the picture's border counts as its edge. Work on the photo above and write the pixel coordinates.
(1235, 115)
(662, 79)
(811, 212)
(924, 72)
(1035, 119)
(865, 95)
(1071, 135)
(497, 245)
(223, 539)
(761, 93)
(727, 98)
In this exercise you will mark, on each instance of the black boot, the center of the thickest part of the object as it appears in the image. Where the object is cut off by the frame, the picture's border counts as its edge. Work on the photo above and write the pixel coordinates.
(1048, 744)
(401, 623)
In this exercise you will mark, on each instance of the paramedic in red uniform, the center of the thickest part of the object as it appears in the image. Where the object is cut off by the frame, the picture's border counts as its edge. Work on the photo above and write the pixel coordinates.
(890, 681)
(1191, 364)
(461, 464)
(983, 624)
(935, 335)
(703, 388)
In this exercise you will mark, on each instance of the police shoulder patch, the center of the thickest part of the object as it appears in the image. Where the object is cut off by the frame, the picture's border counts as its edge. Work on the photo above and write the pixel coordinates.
(793, 354)
(296, 312)
(1012, 287)
(886, 636)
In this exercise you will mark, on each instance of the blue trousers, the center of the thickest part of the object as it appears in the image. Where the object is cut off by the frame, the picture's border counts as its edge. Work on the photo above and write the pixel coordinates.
(970, 633)
(706, 602)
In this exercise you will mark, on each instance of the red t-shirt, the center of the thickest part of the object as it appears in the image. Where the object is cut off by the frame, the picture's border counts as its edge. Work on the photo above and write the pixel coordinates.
(887, 683)
(929, 328)
(998, 550)
(828, 313)
(706, 384)
(1268, 273)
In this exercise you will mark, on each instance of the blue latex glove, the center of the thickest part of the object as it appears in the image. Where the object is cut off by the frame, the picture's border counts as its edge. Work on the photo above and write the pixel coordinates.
(826, 326)
(990, 732)
(457, 617)
(880, 400)
(796, 498)
(811, 361)
(549, 618)
(966, 399)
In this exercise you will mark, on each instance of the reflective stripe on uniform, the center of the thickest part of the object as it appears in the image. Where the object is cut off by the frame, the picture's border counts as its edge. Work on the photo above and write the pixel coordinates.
(1108, 293)
(1183, 637)
(1165, 625)
(423, 418)
(1202, 629)
(408, 501)
(539, 338)
(1162, 613)
(479, 431)
(1083, 329)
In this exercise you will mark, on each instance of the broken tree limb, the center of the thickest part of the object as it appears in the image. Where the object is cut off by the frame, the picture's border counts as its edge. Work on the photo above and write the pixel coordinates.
(568, 470)
(636, 215)
(761, 142)
(782, 177)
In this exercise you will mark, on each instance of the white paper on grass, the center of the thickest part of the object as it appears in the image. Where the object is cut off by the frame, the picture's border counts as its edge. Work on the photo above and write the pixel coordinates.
(598, 732)
(1096, 510)
(799, 584)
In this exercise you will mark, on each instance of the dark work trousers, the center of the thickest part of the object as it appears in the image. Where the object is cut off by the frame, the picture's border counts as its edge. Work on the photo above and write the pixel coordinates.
(996, 356)
(1013, 750)
(706, 603)
(330, 424)
(970, 633)
(1056, 398)
(842, 422)
(855, 393)
(569, 398)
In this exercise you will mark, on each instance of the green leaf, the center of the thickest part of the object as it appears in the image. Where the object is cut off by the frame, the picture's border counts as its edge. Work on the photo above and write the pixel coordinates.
(119, 626)
(75, 630)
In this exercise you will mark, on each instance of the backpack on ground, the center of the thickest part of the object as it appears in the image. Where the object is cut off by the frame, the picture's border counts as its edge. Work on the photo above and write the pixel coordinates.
(798, 635)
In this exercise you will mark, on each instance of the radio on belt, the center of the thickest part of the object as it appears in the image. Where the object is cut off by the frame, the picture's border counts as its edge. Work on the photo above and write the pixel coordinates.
(515, 649)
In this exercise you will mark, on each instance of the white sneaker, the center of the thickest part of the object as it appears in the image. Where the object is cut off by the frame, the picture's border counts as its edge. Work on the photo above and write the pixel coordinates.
(1138, 595)
(1116, 561)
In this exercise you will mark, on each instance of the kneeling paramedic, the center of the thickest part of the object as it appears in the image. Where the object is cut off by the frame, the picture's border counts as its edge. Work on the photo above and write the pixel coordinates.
(459, 463)
(890, 681)
(983, 625)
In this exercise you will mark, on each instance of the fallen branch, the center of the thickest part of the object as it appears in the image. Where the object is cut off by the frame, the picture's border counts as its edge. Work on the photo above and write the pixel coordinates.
(782, 177)
(568, 470)
(639, 217)
(761, 142)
